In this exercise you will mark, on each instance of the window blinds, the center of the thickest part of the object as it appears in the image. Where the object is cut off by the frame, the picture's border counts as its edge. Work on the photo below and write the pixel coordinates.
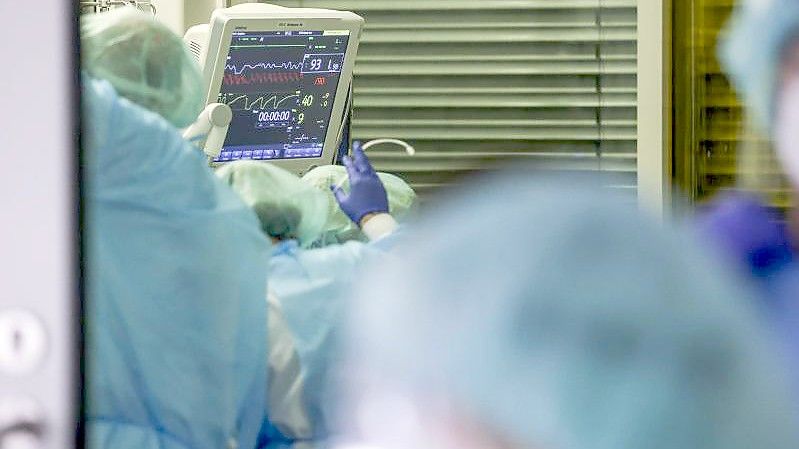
(473, 84)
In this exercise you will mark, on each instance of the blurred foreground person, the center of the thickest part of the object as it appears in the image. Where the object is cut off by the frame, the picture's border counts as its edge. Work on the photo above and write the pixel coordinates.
(175, 261)
(580, 326)
(306, 286)
(761, 56)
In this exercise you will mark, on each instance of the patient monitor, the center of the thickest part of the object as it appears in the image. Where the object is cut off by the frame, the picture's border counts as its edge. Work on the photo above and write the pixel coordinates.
(286, 75)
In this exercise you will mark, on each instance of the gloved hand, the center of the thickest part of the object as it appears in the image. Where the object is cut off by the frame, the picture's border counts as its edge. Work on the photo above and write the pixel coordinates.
(367, 193)
(748, 231)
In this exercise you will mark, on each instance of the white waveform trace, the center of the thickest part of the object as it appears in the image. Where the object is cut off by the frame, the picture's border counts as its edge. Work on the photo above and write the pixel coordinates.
(261, 102)
(288, 65)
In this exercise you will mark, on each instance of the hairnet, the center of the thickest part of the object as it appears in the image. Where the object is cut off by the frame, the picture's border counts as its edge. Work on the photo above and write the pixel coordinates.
(751, 51)
(339, 228)
(562, 319)
(287, 208)
(145, 62)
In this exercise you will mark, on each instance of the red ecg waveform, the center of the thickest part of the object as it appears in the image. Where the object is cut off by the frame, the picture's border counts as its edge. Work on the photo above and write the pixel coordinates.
(231, 79)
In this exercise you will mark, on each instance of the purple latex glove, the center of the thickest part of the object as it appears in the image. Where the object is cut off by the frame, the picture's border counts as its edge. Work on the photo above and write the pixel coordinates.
(748, 231)
(367, 193)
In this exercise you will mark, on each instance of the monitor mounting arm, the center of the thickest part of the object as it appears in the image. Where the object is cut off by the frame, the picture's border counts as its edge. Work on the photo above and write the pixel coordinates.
(210, 129)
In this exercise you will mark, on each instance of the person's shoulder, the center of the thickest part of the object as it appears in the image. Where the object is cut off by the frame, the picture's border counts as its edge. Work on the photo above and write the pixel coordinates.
(99, 98)
(121, 131)
(103, 102)
(135, 152)
(96, 88)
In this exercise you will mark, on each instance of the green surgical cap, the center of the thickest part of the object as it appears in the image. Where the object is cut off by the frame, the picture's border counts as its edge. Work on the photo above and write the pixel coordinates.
(339, 228)
(145, 62)
(286, 207)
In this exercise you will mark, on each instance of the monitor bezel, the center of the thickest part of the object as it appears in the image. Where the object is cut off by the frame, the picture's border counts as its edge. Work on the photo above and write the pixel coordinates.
(221, 33)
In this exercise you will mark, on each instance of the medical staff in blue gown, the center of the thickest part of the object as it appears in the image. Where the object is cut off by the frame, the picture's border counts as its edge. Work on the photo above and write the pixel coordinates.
(175, 261)
(534, 314)
(760, 52)
(308, 284)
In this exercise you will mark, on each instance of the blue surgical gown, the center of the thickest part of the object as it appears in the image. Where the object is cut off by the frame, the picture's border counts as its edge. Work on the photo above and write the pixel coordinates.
(175, 278)
(752, 239)
(311, 286)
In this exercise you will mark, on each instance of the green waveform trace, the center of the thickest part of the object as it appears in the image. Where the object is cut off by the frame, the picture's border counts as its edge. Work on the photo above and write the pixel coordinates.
(242, 102)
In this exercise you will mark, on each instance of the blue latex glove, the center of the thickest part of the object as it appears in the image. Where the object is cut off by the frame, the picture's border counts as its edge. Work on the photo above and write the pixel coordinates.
(748, 231)
(367, 193)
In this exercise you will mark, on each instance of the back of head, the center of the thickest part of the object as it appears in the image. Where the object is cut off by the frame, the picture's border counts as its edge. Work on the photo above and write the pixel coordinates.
(559, 318)
(401, 199)
(286, 207)
(145, 62)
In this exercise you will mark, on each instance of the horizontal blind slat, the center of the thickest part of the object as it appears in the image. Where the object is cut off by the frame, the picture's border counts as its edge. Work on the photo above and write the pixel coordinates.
(477, 84)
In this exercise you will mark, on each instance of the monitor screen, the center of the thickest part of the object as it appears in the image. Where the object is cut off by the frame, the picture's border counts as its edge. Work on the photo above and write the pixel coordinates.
(281, 86)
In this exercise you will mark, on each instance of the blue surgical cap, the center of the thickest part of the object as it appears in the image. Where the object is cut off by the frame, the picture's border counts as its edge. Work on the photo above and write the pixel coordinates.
(560, 318)
(145, 62)
(751, 52)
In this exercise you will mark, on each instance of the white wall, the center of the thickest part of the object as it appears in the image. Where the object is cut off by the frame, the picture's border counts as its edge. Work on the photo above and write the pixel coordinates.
(179, 15)
(654, 106)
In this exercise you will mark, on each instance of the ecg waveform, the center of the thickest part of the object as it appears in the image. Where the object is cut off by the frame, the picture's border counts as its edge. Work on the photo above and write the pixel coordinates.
(288, 65)
(243, 102)
(262, 78)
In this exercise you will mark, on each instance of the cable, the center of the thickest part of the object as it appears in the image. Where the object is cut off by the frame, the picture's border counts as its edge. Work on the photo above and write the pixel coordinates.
(408, 147)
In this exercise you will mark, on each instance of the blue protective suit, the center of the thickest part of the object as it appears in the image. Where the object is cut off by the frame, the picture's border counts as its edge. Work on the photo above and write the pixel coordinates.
(753, 239)
(176, 318)
(310, 286)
